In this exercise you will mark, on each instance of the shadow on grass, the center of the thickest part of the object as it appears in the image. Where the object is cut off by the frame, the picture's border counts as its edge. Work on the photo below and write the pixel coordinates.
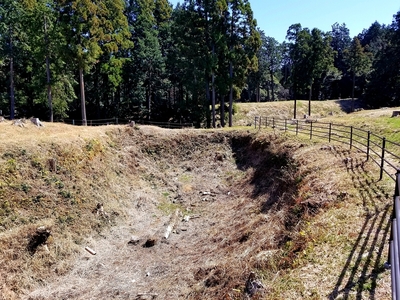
(272, 172)
(364, 264)
(347, 105)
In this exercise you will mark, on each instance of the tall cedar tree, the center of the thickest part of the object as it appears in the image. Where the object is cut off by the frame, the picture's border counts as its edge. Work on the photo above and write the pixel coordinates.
(341, 41)
(11, 13)
(147, 64)
(92, 28)
(384, 81)
(358, 61)
(244, 41)
(311, 56)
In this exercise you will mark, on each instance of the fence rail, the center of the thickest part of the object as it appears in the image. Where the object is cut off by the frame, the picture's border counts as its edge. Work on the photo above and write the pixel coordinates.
(377, 149)
(116, 121)
(384, 153)
(394, 244)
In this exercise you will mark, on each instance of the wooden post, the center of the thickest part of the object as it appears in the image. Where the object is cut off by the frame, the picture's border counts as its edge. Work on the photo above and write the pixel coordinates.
(382, 158)
(330, 131)
(351, 137)
(255, 122)
(368, 142)
(297, 127)
(311, 130)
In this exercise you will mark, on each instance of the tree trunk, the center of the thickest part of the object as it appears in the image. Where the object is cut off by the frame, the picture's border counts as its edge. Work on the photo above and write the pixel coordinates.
(213, 99)
(295, 101)
(207, 103)
(12, 97)
(352, 92)
(97, 92)
(117, 101)
(213, 91)
(231, 74)
(309, 99)
(83, 101)
(149, 99)
(49, 97)
(222, 111)
(230, 94)
(271, 73)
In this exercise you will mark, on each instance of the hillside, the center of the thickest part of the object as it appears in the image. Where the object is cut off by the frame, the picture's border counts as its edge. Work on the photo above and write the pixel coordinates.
(309, 222)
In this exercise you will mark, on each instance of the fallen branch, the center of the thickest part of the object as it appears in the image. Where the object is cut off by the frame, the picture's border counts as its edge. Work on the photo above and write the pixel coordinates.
(172, 223)
(141, 295)
(91, 251)
(187, 218)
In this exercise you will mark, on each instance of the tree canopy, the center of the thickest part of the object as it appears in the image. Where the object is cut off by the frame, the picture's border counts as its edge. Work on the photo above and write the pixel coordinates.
(144, 59)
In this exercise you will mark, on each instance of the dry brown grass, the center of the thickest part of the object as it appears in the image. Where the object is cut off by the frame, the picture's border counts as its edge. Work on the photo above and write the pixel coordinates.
(310, 225)
(285, 109)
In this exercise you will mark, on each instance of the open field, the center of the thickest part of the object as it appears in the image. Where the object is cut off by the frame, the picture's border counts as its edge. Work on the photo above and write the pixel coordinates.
(310, 219)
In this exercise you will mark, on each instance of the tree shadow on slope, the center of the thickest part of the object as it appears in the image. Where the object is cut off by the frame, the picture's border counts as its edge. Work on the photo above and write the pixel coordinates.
(272, 173)
(267, 186)
(347, 105)
(364, 264)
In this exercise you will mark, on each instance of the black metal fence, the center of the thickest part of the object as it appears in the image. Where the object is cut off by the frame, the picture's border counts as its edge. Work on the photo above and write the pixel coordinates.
(384, 153)
(394, 246)
(116, 121)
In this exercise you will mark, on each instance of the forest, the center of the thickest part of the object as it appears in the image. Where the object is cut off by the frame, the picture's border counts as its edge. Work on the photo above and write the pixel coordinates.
(146, 60)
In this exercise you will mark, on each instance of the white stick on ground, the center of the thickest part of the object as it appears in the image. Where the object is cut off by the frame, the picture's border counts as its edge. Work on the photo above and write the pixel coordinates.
(172, 223)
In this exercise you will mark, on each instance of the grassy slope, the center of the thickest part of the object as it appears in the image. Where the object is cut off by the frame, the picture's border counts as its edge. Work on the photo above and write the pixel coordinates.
(324, 239)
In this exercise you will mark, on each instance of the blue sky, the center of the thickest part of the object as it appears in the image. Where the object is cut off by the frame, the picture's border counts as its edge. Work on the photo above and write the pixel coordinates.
(275, 17)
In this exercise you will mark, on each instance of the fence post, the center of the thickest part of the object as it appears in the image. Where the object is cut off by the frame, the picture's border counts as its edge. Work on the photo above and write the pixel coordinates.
(255, 122)
(382, 157)
(351, 137)
(297, 127)
(311, 130)
(73, 122)
(273, 122)
(259, 123)
(368, 142)
(266, 122)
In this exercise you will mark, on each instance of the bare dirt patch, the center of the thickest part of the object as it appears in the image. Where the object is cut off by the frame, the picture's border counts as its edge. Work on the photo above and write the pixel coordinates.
(245, 202)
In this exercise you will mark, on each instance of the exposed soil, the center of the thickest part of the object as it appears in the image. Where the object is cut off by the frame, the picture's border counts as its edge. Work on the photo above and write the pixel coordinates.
(224, 184)
(242, 199)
